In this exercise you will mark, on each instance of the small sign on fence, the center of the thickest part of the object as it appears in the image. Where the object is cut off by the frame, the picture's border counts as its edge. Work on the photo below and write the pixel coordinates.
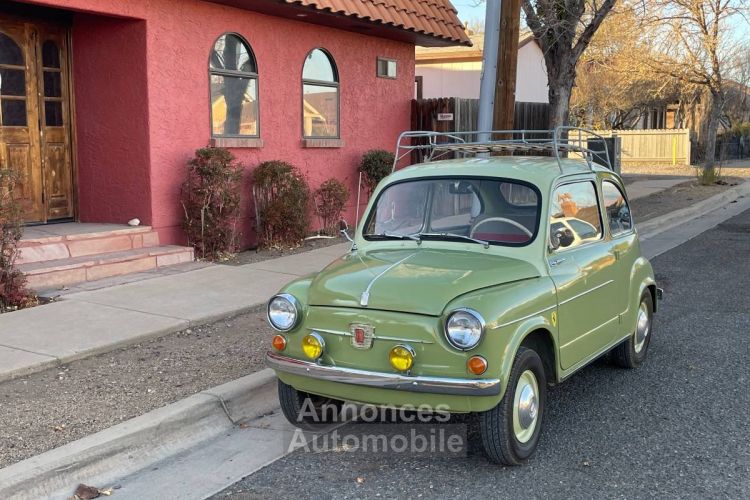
(445, 117)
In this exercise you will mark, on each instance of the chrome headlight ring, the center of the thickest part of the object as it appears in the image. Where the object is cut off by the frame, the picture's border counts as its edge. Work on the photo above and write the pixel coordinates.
(283, 312)
(464, 328)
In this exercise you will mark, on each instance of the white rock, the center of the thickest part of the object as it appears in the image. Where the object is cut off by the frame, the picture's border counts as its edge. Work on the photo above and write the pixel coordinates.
(134, 222)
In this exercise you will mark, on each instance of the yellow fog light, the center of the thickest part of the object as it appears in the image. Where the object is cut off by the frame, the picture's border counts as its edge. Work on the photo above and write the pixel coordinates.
(401, 357)
(313, 345)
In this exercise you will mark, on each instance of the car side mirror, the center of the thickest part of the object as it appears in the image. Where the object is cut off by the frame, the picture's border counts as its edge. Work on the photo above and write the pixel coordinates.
(562, 238)
(344, 230)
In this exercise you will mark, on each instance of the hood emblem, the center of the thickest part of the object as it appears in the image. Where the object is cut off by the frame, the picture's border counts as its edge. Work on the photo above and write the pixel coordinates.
(362, 335)
(364, 299)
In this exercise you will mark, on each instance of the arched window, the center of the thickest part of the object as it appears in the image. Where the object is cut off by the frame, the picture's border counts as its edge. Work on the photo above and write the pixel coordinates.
(320, 96)
(234, 88)
(12, 84)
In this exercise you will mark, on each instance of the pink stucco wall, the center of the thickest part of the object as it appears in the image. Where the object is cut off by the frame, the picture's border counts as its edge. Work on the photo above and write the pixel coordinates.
(178, 38)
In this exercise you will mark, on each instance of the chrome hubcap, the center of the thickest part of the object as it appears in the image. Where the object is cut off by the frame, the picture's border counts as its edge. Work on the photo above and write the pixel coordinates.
(642, 328)
(525, 406)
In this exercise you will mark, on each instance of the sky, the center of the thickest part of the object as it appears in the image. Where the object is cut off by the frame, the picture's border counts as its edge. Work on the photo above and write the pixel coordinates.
(466, 10)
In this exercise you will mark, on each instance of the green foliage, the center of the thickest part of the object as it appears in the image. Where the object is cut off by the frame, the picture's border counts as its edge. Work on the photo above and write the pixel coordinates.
(282, 200)
(13, 292)
(741, 130)
(375, 165)
(330, 199)
(211, 201)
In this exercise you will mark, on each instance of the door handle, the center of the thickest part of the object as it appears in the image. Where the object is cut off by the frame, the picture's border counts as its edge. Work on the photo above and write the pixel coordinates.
(556, 262)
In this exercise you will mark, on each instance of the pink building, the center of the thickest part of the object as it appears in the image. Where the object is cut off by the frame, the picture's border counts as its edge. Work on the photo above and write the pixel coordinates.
(102, 102)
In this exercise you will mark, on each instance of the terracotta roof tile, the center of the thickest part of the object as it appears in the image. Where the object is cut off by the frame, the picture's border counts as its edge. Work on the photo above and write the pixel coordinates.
(434, 18)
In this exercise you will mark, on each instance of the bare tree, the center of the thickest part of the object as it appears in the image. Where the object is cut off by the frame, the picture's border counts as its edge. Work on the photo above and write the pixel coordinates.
(564, 29)
(696, 47)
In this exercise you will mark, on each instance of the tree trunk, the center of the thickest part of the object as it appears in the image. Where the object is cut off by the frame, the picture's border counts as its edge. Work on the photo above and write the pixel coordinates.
(712, 126)
(559, 102)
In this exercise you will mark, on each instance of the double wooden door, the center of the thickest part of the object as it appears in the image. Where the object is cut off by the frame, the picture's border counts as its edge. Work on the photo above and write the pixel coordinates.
(35, 117)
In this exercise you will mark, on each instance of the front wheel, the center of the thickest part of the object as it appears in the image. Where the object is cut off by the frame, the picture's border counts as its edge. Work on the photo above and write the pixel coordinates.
(632, 352)
(510, 431)
(308, 411)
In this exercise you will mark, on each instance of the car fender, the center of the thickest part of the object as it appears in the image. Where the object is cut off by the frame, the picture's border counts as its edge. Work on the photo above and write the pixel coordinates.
(641, 278)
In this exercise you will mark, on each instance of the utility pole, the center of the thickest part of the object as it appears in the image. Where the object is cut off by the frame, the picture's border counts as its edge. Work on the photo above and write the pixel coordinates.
(507, 64)
(489, 69)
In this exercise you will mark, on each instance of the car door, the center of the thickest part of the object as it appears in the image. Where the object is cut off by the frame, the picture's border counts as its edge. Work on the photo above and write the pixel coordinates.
(583, 274)
(624, 246)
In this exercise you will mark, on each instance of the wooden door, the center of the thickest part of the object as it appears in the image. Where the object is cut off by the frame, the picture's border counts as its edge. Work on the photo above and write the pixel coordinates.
(35, 117)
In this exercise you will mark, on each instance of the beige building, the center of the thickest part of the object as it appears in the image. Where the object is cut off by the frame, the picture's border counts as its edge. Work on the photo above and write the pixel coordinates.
(456, 71)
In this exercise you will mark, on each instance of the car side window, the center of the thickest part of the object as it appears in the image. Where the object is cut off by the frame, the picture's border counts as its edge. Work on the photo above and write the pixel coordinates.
(574, 215)
(618, 211)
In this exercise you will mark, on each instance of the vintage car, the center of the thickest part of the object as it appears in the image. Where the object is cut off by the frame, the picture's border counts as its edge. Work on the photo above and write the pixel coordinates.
(472, 283)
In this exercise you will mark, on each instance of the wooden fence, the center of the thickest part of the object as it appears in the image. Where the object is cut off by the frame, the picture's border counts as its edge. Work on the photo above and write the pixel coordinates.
(638, 147)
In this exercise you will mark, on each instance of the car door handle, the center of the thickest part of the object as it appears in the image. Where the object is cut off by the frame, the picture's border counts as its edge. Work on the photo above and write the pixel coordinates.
(556, 262)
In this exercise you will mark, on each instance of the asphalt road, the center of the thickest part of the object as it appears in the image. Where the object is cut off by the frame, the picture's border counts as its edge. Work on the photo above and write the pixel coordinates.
(678, 427)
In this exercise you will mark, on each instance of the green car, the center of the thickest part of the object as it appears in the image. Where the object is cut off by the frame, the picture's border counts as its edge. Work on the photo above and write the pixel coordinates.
(472, 284)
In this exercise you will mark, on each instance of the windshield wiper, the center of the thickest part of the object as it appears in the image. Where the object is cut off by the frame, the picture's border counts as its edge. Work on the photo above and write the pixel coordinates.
(390, 236)
(486, 244)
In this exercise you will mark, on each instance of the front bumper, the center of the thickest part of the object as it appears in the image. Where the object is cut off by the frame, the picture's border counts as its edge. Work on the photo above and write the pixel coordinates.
(434, 385)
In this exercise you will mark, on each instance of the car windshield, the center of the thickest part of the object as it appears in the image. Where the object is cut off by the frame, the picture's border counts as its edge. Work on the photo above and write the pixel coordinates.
(488, 211)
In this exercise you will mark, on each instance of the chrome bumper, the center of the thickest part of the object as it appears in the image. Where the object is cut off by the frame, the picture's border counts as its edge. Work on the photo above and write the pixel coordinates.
(435, 385)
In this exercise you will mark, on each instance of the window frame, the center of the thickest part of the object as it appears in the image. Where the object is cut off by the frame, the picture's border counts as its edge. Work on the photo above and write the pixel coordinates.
(235, 74)
(386, 59)
(594, 184)
(321, 83)
(627, 202)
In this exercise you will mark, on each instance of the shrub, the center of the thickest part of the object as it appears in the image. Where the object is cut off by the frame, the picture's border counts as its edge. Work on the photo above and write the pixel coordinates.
(375, 165)
(281, 204)
(330, 199)
(211, 201)
(13, 292)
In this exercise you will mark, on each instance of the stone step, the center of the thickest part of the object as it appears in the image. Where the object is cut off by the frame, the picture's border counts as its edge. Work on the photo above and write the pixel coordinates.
(72, 270)
(39, 247)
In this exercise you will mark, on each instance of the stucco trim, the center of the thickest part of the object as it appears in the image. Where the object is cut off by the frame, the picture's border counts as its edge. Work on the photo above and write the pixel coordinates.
(236, 142)
(322, 143)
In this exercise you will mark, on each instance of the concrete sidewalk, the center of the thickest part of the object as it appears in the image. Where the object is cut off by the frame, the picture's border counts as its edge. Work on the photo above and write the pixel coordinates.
(638, 188)
(91, 322)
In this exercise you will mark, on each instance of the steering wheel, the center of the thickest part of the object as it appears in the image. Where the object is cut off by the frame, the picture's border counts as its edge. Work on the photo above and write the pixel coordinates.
(501, 219)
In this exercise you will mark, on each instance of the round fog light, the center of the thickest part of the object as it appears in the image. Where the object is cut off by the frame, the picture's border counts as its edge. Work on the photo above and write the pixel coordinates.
(313, 345)
(279, 342)
(401, 357)
(477, 365)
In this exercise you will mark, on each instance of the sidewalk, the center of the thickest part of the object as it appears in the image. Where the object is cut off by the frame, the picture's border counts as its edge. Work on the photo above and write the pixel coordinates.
(91, 322)
(638, 188)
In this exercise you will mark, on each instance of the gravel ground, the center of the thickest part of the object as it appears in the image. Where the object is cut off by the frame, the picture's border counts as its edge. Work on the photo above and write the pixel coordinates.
(48, 409)
(251, 256)
(677, 197)
(675, 428)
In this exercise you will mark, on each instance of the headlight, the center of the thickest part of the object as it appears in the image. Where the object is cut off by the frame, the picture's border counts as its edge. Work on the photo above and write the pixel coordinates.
(283, 312)
(464, 329)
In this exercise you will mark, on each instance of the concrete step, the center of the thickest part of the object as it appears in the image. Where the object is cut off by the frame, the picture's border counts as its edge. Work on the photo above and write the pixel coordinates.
(80, 240)
(71, 270)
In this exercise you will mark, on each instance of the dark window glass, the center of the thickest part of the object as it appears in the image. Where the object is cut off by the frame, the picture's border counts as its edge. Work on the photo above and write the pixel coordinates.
(575, 207)
(231, 53)
(53, 116)
(320, 96)
(386, 68)
(52, 84)
(14, 113)
(618, 211)
(234, 88)
(10, 52)
(50, 55)
(12, 82)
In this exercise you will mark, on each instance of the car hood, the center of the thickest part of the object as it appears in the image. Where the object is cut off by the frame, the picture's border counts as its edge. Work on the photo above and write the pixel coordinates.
(420, 281)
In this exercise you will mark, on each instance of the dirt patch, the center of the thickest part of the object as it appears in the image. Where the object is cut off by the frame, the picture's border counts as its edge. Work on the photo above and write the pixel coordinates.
(681, 170)
(54, 407)
(677, 197)
(252, 256)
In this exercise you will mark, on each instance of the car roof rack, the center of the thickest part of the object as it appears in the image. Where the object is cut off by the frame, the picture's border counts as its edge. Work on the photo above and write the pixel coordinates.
(562, 142)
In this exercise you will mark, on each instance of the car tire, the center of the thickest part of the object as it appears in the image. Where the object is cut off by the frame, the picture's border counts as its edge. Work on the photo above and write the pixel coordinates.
(508, 436)
(632, 352)
(308, 411)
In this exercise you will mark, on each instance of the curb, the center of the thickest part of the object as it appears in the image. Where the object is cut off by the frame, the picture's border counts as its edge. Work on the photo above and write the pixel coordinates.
(138, 443)
(658, 225)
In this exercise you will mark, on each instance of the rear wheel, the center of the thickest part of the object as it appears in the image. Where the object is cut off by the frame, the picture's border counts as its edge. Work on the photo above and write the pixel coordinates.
(308, 411)
(510, 431)
(632, 352)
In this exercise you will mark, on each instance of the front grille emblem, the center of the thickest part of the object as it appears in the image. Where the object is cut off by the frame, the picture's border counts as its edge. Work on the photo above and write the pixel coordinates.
(362, 335)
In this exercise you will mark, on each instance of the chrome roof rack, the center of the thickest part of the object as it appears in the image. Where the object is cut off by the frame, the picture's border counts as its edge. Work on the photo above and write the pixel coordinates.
(426, 146)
